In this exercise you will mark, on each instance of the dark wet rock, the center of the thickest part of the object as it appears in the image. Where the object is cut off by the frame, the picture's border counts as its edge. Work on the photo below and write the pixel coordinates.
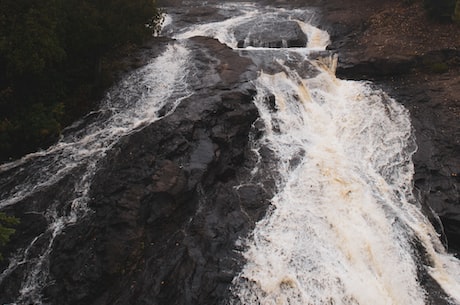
(353, 65)
(169, 178)
(270, 62)
(434, 109)
(357, 67)
(231, 68)
(171, 200)
(32, 224)
(436, 295)
(270, 34)
(423, 74)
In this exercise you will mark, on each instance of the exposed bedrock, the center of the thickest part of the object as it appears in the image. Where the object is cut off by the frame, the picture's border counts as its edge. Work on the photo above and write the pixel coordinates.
(270, 34)
(171, 200)
(428, 85)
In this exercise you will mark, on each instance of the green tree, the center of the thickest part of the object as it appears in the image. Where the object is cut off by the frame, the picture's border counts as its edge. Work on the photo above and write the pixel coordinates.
(440, 9)
(6, 230)
(456, 16)
(30, 42)
(51, 54)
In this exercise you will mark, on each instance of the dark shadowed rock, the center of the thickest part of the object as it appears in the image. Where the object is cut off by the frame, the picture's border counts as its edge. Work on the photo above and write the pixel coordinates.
(417, 62)
(357, 67)
(168, 205)
(434, 109)
(170, 200)
(32, 224)
(270, 34)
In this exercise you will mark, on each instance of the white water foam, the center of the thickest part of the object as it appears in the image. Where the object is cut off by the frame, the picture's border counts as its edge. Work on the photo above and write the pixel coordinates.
(218, 30)
(250, 13)
(344, 223)
(134, 103)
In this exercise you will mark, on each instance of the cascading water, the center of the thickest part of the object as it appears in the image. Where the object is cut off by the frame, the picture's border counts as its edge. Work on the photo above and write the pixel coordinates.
(134, 103)
(344, 227)
(344, 222)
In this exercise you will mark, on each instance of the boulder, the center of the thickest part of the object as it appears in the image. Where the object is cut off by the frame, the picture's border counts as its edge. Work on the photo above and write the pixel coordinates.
(270, 34)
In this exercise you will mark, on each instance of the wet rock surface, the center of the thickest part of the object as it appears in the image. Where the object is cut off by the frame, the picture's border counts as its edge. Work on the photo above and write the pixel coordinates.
(270, 34)
(171, 200)
(416, 61)
(434, 106)
(167, 203)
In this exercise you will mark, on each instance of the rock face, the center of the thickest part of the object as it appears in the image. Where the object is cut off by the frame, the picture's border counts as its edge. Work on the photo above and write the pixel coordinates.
(434, 107)
(167, 202)
(171, 200)
(417, 62)
(270, 34)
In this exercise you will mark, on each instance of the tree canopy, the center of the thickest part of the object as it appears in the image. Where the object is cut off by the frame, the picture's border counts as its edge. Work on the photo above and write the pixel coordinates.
(50, 62)
(6, 230)
(443, 10)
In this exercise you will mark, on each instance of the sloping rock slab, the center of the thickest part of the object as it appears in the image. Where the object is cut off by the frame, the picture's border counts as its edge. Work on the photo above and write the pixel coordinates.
(270, 34)
(171, 200)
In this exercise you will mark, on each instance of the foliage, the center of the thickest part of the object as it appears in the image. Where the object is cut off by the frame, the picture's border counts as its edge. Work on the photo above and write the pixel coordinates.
(442, 10)
(439, 67)
(408, 2)
(6, 222)
(456, 16)
(50, 62)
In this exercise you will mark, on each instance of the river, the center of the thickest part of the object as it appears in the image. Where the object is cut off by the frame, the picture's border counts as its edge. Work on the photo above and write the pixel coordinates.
(343, 226)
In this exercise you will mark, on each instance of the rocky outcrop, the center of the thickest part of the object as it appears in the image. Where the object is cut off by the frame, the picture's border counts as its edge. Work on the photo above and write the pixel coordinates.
(170, 201)
(356, 66)
(433, 103)
(270, 34)
(417, 62)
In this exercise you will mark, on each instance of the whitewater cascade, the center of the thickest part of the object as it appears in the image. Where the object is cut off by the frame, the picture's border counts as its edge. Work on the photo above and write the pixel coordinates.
(344, 221)
(135, 102)
(344, 226)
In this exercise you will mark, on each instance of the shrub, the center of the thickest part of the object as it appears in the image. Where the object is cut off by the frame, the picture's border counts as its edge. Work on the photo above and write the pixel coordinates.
(439, 67)
(6, 222)
(50, 62)
(442, 10)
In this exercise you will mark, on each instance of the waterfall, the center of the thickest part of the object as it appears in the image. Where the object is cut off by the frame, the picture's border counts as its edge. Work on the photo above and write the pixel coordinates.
(134, 103)
(344, 226)
(344, 222)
